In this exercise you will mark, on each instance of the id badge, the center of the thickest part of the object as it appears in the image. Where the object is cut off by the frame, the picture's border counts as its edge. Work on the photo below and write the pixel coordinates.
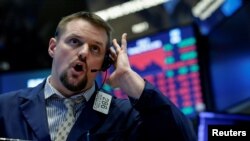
(102, 102)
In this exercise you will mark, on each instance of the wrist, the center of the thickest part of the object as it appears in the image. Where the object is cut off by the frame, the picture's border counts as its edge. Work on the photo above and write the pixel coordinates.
(131, 83)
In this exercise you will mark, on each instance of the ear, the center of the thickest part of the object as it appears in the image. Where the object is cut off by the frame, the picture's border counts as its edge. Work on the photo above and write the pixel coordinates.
(52, 47)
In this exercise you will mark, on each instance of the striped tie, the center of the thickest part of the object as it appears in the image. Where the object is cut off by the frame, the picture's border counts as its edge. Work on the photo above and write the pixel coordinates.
(64, 129)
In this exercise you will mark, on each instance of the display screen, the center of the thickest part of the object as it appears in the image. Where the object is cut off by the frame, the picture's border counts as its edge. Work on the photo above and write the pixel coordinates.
(226, 9)
(169, 60)
(229, 49)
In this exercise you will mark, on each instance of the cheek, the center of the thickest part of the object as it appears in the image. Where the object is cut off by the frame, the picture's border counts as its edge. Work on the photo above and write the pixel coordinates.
(64, 53)
(61, 59)
(96, 63)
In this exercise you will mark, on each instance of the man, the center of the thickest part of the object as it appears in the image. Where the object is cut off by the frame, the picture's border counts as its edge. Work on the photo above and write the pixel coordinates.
(80, 49)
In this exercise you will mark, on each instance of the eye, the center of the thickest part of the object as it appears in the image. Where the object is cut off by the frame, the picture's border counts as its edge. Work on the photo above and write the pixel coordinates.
(95, 49)
(75, 42)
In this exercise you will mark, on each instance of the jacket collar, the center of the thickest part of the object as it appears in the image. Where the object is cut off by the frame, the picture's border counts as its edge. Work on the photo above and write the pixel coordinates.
(32, 105)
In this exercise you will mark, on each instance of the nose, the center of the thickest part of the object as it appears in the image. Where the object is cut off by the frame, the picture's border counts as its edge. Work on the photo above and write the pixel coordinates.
(83, 52)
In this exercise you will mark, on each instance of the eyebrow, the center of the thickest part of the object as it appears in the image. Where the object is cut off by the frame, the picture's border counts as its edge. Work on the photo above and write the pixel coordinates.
(77, 36)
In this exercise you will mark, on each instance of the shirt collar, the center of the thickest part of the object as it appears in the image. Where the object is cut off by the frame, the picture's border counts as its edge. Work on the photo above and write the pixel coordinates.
(49, 90)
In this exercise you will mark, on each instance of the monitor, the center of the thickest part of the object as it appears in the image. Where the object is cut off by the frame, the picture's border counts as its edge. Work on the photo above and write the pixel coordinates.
(230, 63)
(216, 12)
(169, 60)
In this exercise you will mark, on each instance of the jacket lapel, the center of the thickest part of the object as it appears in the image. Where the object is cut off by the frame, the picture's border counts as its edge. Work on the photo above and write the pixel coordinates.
(32, 105)
(87, 120)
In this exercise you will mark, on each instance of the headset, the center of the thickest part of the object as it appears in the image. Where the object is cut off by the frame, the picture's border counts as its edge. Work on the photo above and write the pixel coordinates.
(107, 62)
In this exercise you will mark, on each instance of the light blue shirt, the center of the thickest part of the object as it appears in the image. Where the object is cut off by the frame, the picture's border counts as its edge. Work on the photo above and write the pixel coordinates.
(56, 110)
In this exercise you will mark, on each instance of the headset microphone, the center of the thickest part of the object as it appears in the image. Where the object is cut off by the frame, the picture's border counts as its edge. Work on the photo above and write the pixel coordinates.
(95, 70)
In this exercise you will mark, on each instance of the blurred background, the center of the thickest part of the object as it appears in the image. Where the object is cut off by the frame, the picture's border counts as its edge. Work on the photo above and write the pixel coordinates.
(197, 52)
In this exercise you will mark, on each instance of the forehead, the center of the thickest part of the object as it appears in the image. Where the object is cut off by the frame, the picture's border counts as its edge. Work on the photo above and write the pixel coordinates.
(86, 30)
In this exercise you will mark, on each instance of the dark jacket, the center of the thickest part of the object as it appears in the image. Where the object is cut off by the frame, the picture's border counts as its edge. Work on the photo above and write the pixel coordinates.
(151, 118)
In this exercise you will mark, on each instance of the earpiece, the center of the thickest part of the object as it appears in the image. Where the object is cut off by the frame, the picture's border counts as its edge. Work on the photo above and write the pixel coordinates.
(107, 62)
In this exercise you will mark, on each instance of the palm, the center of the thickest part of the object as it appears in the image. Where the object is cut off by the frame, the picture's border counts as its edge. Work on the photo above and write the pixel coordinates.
(121, 62)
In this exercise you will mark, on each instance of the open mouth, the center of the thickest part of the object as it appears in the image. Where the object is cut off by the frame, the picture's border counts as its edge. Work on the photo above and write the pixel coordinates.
(78, 67)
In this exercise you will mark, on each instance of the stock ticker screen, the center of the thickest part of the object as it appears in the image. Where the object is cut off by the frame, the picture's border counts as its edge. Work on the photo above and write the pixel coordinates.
(169, 61)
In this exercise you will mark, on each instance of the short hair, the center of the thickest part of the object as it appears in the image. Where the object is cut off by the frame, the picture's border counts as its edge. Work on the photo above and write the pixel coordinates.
(91, 17)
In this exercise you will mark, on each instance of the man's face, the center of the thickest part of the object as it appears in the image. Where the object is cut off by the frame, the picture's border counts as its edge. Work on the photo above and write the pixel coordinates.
(80, 48)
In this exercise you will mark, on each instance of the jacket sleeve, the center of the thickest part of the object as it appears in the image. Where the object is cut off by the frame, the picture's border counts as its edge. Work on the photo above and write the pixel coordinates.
(161, 119)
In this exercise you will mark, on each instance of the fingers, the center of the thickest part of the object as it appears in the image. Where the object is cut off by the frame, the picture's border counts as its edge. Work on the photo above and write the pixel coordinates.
(124, 41)
(123, 46)
(116, 45)
(113, 53)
